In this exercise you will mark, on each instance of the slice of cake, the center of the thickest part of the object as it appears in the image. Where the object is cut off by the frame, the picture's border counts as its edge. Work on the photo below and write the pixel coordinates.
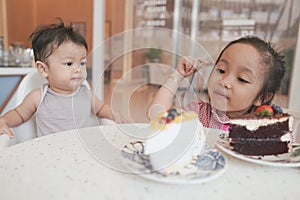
(177, 138)
(268, 131)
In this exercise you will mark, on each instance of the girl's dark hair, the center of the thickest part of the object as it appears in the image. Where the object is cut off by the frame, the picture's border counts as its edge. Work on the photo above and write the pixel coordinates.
(272, 60)
(48, 37)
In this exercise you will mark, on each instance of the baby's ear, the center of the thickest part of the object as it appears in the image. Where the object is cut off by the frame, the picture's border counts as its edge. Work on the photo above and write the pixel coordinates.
(260, 100)
(42, 68)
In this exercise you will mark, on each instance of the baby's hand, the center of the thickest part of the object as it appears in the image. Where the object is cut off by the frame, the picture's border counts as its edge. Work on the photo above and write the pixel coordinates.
(4, 129)
(187, 65)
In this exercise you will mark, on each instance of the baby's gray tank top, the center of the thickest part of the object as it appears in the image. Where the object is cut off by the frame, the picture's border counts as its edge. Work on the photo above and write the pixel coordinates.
(58, 112)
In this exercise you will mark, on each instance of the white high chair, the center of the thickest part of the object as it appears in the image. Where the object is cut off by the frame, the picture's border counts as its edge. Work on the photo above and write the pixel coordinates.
(27, 130)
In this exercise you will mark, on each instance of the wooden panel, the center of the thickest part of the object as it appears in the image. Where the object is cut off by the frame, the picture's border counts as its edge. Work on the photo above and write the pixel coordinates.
(1, 17)
(19, 21)
(75, 11)
(24, 16)
(3, 21)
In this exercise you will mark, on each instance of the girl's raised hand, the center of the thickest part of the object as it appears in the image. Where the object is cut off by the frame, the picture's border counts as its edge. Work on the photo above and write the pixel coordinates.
(187, 65)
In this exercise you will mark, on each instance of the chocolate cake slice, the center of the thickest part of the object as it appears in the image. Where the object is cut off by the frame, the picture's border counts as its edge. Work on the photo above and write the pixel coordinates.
(260, 134)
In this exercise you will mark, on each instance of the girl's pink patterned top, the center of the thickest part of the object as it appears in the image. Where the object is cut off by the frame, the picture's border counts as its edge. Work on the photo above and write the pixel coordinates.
(208, 116)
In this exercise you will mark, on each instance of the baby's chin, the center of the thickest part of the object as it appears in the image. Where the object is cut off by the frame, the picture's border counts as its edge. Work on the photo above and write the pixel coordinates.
(76, 84)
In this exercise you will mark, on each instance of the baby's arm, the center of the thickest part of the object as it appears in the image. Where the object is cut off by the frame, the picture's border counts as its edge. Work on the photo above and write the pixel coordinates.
(104, 111)
(21, 113)
(163, 100)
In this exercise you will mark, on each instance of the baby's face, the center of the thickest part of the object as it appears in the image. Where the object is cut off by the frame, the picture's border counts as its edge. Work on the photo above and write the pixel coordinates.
(236, 80)
(67, 67)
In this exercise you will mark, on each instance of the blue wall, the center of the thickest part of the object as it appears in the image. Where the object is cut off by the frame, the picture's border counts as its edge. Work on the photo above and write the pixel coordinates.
(7, 84)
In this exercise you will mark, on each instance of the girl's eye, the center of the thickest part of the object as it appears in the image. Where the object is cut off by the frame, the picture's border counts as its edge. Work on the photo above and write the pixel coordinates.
(243, 80)
(83, 63)
(221, 71)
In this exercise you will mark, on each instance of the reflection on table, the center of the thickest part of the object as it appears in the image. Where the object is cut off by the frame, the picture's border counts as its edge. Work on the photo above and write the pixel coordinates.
(86, 164)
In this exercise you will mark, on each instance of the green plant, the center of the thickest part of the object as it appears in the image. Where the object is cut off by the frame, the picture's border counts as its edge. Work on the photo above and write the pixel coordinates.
(153, 55)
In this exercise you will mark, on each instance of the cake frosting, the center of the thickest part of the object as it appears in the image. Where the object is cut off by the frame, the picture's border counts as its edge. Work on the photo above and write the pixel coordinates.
(254, 123)
(177, 138)
(268, 131)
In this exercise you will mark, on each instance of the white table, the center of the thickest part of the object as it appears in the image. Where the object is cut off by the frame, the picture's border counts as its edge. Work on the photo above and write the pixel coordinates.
(63, 166)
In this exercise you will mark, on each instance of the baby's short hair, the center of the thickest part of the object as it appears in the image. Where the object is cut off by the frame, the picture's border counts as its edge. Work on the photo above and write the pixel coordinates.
(48, 37)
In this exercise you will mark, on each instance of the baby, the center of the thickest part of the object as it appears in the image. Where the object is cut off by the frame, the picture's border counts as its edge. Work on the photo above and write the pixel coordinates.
(64, 103)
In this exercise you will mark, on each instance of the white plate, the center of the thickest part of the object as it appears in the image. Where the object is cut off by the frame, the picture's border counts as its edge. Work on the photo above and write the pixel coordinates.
(208, 166)
(281, 160)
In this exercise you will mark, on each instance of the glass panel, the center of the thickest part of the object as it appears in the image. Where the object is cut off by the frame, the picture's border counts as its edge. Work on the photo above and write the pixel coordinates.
(217, 23)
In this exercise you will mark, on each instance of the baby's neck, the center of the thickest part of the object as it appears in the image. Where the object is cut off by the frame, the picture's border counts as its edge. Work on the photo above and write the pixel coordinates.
(63, 92)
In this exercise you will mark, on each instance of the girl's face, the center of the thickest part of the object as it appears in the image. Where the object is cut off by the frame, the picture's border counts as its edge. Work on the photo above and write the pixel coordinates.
(236, 80)
(66, 67)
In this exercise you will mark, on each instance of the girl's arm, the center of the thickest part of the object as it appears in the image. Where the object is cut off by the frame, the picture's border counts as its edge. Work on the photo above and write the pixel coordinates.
(163, 100)
(21, 113)
(103, 110)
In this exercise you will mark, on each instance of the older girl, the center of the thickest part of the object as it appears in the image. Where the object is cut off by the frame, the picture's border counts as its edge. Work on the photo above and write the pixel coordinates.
(246, 75)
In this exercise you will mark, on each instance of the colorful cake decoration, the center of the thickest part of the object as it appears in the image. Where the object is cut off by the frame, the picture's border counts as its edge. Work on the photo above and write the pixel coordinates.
(174, 115)
(277, 109)
(268, 111)
(264, 111)
(169, 116)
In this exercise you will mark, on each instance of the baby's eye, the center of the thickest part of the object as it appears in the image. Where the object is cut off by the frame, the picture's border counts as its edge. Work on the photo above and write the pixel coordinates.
(243, 80)
(68, 64)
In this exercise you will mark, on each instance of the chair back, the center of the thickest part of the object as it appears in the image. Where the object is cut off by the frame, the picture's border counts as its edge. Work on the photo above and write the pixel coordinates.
(27, 130)
(31, 81)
